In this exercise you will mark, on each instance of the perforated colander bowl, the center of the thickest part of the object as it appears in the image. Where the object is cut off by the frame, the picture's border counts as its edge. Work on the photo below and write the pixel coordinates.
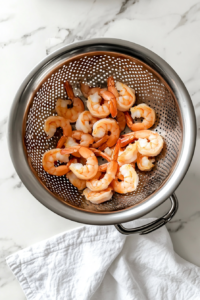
(92, 62)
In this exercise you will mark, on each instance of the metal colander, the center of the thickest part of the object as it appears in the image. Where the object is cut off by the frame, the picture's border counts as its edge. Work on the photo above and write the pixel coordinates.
(93, 62)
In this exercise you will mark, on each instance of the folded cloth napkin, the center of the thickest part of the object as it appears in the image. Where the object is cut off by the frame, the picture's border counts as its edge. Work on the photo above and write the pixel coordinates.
(97, 262)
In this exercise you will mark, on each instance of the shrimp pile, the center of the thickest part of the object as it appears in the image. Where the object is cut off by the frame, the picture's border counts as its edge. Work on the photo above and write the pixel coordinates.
(98, 134)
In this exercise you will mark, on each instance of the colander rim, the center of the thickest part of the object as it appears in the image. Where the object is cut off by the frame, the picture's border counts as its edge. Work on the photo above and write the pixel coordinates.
(21, 165)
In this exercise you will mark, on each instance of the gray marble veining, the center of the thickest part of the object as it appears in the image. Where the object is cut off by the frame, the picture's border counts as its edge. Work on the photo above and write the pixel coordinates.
(176, 225)
(24, 39)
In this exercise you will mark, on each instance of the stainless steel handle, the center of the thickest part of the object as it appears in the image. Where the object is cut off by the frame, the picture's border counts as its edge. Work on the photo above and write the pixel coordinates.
(145, 229)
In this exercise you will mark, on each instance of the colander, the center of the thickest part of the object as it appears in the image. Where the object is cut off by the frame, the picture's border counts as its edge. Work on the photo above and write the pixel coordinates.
(92, 62)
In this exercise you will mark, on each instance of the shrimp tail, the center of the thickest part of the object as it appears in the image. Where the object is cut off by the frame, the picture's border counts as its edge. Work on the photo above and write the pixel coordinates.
(67, 131)
(69, 90)
(103, 168)
(113, 107)
(111, 87)
(85, 89)
(129, 120)
(97, 152)
(110, 82)
(100, 141)
(61, 141)
(116, 150)
(108, 96)
(70, 150)
(127, 138)
(103, 147)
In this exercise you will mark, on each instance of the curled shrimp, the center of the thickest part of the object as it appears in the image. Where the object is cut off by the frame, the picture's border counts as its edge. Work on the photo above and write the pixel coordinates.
(87, 171)
(85, 139)
(129, 155)
(98, 197)
(96, 108)
(141, 111)
(72, 113)
(125, 96)
(53, 122)
(107, 127)
(77, 182)
(87, 90)
(103, 183)
(129, 182)
(108, 96)
(149, 143)
(145, 163)
(85, 122)
(52, 156)
(121, 120)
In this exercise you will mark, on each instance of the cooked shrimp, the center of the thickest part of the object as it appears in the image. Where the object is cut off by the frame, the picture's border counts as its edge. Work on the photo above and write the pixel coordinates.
(50, 157)
(121, 120)
(145, 163)
(149, 143)
(98, 197)
(125, 96)
(108, 96)
(141, 111)
(85, 122)
(77, 182)
(130, 182)
(54, 122)
(83, 172)
(85, 138)
(105, 127)
(129, 155)
(96, 108)
(87, 90)
(62, 109)
(103, 183)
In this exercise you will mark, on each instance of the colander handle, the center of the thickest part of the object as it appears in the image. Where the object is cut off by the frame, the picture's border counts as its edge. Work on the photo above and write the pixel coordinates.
(145, 229)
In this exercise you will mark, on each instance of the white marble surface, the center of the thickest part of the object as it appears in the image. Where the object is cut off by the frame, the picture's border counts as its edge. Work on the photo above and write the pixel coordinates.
(30, 30)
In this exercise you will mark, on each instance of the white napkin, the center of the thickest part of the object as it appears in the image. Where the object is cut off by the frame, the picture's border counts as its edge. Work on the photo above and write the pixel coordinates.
(94, 262)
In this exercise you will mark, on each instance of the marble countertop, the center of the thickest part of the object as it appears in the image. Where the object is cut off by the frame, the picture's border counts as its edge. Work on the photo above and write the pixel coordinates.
(30, 30)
